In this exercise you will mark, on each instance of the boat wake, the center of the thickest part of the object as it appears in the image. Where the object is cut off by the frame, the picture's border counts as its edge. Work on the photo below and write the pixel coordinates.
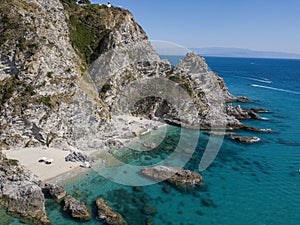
(262, 80)
(267, 81)
(275, 89)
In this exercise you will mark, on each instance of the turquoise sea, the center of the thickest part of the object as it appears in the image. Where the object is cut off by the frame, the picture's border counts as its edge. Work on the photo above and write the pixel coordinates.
(256, 184)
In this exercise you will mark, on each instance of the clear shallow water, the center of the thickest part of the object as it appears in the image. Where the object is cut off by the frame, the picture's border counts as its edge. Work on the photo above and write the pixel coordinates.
(247, 184)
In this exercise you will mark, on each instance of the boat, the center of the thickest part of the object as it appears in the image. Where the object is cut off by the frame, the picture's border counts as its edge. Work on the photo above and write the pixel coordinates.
(85, 165)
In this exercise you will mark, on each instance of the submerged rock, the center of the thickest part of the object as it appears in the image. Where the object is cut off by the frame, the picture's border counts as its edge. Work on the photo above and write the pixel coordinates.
(208, 203)
(76, 209)
(176, 176)
(149, 210)
(107, 214)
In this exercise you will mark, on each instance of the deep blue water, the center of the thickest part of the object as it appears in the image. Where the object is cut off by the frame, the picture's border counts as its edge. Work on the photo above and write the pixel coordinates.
(255, 184)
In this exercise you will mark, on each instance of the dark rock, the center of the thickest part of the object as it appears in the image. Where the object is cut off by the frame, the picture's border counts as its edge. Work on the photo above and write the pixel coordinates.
(138, 189)
(199, 212)
(76, 209)
(253, 115)
(254, 129)
(149, 210)
(207, 203)
(149, 221)
(107, 214)
(77, 157)
(242, 99)
(166, 189)
(145, 198)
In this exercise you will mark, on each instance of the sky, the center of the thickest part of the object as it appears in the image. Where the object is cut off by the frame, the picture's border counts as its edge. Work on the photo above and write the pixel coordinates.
(263, 25)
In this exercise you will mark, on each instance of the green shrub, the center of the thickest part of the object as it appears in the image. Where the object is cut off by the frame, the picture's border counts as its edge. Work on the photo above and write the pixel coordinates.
(86, 29)
(13, 162)
(49, 74)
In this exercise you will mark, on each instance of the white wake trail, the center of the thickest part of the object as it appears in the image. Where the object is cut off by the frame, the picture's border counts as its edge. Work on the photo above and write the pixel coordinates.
(275, 89)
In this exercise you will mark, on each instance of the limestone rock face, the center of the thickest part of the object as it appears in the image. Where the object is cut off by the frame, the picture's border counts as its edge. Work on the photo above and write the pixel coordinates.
(193, 96)
(76, 209)
(20, 192)
(42, 101)
(48, 99)
(107, 214)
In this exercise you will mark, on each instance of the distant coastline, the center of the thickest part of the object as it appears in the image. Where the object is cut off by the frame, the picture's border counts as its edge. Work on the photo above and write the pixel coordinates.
(243, 53)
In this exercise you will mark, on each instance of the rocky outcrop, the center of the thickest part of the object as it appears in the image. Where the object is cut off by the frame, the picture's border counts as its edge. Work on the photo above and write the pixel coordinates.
(241, 113)
(55, 191)
(107, 214)
(246, 140)
(180, 178)
(77, 157)
(189, 95)
(21, 193)
(76, 209)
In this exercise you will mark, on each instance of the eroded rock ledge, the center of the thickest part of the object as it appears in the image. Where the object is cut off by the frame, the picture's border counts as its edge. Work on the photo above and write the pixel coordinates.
(107, 214)
(178, 177)
(76, 209)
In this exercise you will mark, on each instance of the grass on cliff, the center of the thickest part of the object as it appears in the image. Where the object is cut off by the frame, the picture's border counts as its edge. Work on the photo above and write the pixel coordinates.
(88, 28)
(11, 85)
(13, 27)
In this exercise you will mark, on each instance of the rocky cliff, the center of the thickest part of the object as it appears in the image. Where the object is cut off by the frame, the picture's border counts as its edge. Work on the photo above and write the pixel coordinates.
(21, 193)
(64, 67)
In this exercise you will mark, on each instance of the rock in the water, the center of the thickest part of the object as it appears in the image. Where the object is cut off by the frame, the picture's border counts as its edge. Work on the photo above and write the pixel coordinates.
(149, 210)
(176, 176)
(107, 214)
(260, 110)
(240, 113)
(76, 209)
(208, 203)
(55, 191)
(149, 221)
(246, 140)
(138, 189)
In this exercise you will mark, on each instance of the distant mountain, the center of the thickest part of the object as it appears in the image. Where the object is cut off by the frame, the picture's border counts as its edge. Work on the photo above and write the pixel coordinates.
(245, 53)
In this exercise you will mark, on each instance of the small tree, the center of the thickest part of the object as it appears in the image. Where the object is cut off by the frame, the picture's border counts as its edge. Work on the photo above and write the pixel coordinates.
(84, 2)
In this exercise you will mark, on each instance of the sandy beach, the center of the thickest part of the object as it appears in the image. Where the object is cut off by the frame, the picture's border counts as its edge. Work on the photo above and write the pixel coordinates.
(29, 157)
(127, 130)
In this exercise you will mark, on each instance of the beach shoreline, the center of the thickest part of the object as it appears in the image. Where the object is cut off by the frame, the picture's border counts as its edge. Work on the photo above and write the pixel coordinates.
(30, 157)
(129, 129)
